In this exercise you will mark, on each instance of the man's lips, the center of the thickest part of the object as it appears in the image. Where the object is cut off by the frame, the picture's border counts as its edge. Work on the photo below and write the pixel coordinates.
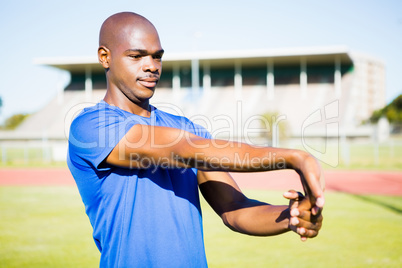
(148, 82)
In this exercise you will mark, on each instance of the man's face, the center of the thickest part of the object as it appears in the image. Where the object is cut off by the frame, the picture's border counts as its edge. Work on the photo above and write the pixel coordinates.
(136, 63)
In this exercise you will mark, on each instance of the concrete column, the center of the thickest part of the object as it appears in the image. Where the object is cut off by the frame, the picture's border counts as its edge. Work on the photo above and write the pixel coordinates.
(270, 80)
(338, 77)
(195, 75)
(303, 78)
(206, 79)
(238, 80)
(88, 83)
(176, 78)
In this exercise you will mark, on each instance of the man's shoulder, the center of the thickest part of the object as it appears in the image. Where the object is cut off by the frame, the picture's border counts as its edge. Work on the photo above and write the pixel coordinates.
(166, 114)
(95, 113)
(182, 122)
(96, 110)
(173, 120)
(96, 130)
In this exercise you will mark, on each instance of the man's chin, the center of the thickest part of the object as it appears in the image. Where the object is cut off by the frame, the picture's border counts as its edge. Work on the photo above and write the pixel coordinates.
(147, 95)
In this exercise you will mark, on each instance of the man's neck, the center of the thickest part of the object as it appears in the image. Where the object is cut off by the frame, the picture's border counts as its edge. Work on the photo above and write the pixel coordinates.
(141, 108)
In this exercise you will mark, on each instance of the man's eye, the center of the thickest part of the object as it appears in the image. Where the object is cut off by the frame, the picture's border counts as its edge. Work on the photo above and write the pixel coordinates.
(135, 56)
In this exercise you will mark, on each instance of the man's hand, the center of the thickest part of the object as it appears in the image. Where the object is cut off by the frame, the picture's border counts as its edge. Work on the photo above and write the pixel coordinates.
(302, 221)
(312, 180)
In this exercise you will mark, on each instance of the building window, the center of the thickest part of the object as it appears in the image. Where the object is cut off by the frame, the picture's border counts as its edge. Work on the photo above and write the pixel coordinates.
(166, 79)
(320, 74)
(222, 77)
(254, 76)
(99, 80)
(185, 76)
(287, 75)
(77, 82)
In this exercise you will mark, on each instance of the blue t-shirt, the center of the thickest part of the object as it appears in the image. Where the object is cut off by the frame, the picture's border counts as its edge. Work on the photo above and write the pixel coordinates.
(149, 217)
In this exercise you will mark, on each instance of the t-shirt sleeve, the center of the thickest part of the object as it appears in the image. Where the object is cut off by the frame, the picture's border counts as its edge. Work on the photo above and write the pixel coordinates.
(201, 131)
(94, 134)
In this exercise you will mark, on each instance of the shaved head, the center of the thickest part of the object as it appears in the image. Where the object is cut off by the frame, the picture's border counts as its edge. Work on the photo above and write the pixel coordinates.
(131, 54)
(122, 26)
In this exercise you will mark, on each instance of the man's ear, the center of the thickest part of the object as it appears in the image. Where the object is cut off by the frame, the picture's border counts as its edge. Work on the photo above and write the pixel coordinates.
(104, 56)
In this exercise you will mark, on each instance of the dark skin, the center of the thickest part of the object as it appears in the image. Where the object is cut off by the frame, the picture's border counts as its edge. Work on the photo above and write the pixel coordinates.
(131, 53)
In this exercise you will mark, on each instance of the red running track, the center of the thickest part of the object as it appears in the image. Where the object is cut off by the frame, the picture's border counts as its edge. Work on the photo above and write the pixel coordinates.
(354, 182)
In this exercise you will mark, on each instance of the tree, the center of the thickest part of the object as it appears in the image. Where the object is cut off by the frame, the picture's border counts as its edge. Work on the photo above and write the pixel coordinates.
(392, 111)
(14, 121)
(1, 104)
(273, 121)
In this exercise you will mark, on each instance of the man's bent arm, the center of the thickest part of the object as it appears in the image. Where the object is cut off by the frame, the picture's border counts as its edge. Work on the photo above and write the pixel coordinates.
(239, 213)
(253, 217)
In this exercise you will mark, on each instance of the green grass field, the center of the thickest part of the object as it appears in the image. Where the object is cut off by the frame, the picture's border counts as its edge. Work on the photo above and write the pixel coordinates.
(47, 227)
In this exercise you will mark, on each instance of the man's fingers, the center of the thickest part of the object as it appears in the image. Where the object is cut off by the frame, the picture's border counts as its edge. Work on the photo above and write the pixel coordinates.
(316, 211)
(294, 198)
(314, 189)
(316, 205)
(304, 233)
(293, 195)
(305, 229)
(319, 205)
(320, 202)
(294, 221)
(308, 216)
(294, 212)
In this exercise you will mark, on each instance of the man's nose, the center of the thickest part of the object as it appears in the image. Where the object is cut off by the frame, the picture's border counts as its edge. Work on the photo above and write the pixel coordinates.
(150, 64)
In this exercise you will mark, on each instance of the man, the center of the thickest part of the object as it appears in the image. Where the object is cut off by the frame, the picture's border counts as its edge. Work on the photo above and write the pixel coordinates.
(138, 168)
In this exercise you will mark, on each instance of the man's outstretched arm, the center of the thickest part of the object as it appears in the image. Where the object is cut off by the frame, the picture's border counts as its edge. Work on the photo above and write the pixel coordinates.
(145, 145)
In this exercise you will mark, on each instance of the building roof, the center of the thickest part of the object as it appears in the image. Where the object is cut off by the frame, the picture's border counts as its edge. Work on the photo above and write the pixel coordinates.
(281, 55)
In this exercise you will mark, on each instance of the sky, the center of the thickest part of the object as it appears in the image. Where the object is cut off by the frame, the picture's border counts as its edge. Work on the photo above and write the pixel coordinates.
(47, 28)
